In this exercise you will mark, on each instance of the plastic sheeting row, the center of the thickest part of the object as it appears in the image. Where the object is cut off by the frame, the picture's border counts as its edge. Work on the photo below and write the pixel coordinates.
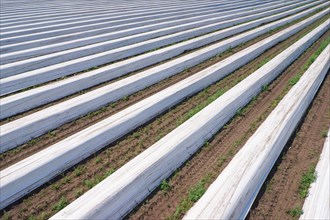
(32, 98)
(33, 125)
(118, 194)
(232, 194)
(28, 174)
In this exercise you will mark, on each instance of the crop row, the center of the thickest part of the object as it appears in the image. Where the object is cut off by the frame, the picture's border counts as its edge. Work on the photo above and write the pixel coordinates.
(180, 41)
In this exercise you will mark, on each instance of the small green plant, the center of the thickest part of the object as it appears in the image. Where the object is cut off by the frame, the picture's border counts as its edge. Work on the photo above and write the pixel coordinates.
(230, 152)
(5, 216)
(66, 179)
(98, 160)
(60, 204)
(324, 133)
(165, 186)
(295, 212)
(312, 152)
(199, 107)
(238, 142)
(78, 170)
(196, 192)
(182, 208)
(253, 126)
(306, 180)
(52, 133)
(141, 144)
(56, 186)
(78, 193)
(160, 135)
(294, 79)
(186, 69)
(43, 216)
(94, 113)
(263, 62)
(136, 135)
(219, 54)
(112, 105)
(265, 88)
(221, 160)
(31, 217)
(109, 172)
(269, 185)
(89, 183)
(229, 50)
(32, 142)
(239, 112)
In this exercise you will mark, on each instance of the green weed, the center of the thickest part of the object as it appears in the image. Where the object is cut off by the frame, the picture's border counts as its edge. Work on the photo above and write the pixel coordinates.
(263, 62)
(306, 180)
(295, 212)
(60, 204)
(195, 193)
(79, 170)
(324, 133)
(294, 79)
(165, 186)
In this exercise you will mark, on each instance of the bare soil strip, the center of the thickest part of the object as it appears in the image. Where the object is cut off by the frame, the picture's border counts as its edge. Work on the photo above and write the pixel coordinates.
(205, 165)
(55, 195)
(280, 197)
(42, 142)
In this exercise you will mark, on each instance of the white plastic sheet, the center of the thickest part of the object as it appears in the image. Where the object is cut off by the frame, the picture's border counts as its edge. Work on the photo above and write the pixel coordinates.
(317, 204)
(33, 125)
(231, 195)
(118, 194)
(32, 172)
(32, 98)
(52, 72)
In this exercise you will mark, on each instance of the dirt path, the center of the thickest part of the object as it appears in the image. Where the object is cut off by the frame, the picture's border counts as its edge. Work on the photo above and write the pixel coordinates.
(66, 188)
(211, 160)
(280, 193)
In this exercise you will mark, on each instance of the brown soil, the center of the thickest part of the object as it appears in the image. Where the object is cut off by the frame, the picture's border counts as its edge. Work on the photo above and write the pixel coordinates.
(46, 140)
(73, 183)
(280, 191)
(211, 160)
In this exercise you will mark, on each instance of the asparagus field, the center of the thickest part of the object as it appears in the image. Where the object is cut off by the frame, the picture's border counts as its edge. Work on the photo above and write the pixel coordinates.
(194, 109)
